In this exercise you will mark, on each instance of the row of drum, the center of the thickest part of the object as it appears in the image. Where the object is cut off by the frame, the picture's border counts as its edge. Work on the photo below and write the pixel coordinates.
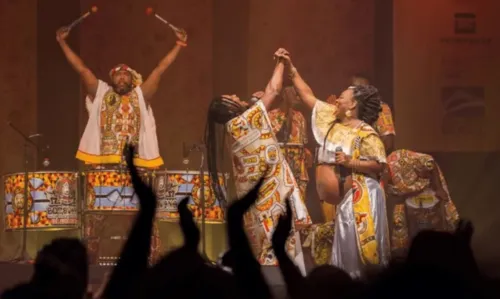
(55, 197)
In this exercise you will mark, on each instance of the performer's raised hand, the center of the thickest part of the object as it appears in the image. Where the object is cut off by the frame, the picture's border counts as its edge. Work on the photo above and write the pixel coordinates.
(282, 54)
(282, 231)
(62, 33)
(189, 229)
(181, 35)
(258, 94)
(150, 86)
(89, 79)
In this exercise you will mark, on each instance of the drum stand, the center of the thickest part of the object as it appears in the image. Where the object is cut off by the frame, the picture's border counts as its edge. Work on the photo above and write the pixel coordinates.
(27, 142)
(201, 149)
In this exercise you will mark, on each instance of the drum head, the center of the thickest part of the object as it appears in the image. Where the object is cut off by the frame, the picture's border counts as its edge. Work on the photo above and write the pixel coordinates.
(424, 200)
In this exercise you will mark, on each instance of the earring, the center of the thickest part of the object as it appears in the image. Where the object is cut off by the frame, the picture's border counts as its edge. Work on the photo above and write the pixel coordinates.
(348, 114)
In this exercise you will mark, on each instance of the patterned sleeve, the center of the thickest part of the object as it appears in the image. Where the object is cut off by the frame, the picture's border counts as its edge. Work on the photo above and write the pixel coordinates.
(372, 149)
(323, 115)
(246, 128)
(385, 124)
(102, 88)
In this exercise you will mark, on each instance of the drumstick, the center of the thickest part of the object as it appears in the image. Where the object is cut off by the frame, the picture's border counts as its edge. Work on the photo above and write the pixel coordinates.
(82, 17)
(150, 11)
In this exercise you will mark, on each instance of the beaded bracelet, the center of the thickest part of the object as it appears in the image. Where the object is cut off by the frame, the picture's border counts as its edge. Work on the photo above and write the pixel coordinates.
(355, 164)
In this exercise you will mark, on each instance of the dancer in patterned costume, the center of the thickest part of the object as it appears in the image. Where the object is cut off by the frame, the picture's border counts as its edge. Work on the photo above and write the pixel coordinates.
(423, 201)
(351, 146)
(255, 154)
(290, 128)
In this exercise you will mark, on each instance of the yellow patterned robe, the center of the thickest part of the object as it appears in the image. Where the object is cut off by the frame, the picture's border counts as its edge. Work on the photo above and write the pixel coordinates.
(361, 228)
(256, 154)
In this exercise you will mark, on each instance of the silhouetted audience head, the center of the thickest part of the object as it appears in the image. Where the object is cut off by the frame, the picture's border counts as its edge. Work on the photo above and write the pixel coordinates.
(61, 268)
(324, 279)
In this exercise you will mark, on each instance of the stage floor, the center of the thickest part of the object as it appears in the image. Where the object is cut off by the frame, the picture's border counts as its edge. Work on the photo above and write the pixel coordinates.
(13, 273)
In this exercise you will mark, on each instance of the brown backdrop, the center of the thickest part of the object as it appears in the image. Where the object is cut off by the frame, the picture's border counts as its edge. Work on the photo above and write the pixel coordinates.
(446, 71)
(18, 87)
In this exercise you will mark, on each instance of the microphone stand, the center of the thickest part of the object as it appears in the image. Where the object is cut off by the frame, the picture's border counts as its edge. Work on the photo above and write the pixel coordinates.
(27, 142)
(201, 149)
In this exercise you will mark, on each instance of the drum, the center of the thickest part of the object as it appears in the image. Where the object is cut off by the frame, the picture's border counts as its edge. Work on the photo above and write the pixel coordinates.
(172, 186)
(425, 212)
(110, 207)
(52, 200)
(111, 190)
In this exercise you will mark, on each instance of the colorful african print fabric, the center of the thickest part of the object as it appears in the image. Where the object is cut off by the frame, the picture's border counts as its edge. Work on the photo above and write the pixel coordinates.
(421, 208)
(115, 120)
(385, 123)
(293, 145)
(256, 154)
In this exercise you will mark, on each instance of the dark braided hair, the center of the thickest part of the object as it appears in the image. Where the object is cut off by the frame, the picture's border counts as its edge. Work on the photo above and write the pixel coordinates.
(369, 101)
(220, 111)
(369, 105)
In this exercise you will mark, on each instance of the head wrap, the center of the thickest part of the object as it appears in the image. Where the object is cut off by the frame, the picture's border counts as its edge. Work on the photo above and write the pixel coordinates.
(136, 77)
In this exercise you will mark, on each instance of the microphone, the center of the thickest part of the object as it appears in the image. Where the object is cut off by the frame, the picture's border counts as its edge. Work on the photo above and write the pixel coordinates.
(46, 160)
(341, 168)
(185, 154)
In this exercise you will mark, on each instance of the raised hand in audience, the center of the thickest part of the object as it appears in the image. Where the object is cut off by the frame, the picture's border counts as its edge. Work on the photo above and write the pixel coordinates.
(246, 268)
(189, 229)
(296, 284)
(133, 262)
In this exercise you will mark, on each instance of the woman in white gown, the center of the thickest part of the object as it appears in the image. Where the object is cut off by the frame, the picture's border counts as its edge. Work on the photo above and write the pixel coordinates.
(351, 159)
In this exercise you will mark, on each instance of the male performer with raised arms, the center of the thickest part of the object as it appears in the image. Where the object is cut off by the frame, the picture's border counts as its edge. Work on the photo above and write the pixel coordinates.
(119, 113)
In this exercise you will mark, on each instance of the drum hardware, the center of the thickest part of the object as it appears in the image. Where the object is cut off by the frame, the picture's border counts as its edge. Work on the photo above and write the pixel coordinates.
(46, 160)
(185, 155)
(27, 142)
(200, 148)
(123, 174)
(108, 191)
